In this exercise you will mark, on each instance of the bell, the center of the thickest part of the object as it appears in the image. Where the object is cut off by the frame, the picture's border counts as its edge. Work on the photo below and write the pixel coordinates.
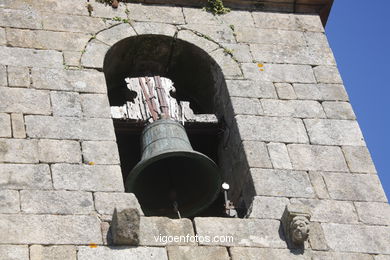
(171, 176)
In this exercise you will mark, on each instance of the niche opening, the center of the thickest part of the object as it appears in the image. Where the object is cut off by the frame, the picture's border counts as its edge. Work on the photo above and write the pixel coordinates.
(196, 77)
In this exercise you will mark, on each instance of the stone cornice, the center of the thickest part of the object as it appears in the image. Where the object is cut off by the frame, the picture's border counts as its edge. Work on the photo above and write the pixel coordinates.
(322, 7)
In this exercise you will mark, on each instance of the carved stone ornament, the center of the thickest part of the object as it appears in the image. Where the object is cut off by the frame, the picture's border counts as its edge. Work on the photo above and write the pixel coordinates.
(296, 224)
(125, 226)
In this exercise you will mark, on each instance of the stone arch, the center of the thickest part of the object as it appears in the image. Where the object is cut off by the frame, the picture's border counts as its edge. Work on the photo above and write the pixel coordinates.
(195, 74)
(221, 61)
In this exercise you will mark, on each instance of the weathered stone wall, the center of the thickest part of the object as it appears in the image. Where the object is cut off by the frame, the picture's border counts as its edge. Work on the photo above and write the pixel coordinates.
(293, 136)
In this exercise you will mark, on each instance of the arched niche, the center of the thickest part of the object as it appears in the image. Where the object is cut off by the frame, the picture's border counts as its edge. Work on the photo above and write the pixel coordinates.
(195, 74)
(197, 78)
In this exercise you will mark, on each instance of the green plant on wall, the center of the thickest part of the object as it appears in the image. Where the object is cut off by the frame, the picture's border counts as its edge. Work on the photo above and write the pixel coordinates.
(216, 7)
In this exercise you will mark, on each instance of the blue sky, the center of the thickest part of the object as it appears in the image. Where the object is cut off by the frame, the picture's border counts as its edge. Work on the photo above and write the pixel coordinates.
(359, 35)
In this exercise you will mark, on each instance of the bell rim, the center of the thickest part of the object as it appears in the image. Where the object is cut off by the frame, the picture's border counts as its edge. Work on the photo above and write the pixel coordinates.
(216, 174)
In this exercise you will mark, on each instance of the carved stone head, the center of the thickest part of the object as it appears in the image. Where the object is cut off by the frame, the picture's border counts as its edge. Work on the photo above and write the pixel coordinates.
(296, 220)
(299, 229)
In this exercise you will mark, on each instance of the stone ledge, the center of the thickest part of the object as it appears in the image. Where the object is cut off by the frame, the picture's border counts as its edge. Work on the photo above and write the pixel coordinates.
(128, 253)
(39, 252)
(49, 229)
(239, 253)
(321, 7)
(153, 227)
(294, 22)
(197, 252)
(245, 232)
(341, 256)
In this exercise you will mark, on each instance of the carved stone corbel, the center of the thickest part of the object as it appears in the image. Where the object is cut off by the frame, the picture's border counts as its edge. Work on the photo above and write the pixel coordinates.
(296, 224)
(125, 227)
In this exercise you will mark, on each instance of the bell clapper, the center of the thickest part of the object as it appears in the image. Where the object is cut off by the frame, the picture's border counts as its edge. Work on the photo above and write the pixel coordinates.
(176, 209)
(230, 210)
(172, 197)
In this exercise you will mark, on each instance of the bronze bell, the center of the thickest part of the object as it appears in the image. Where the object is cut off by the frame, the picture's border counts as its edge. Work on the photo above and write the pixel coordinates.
(171, 173)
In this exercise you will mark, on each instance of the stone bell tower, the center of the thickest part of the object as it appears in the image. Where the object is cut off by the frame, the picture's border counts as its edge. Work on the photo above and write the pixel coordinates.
(258, 92)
